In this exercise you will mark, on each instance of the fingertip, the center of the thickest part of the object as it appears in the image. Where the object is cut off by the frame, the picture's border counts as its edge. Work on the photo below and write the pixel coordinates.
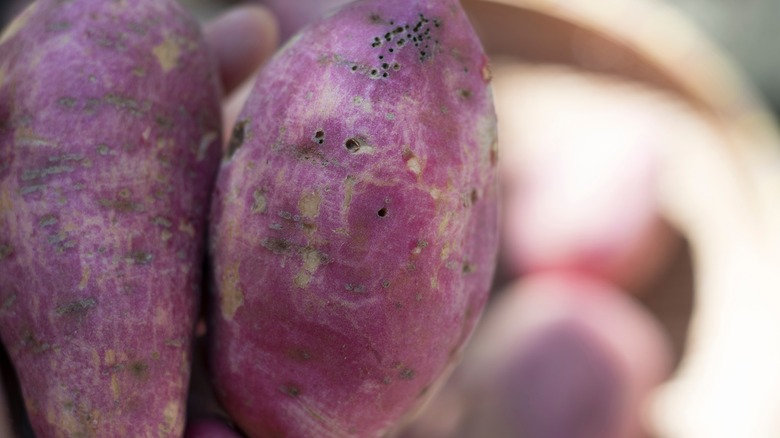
(242, 38)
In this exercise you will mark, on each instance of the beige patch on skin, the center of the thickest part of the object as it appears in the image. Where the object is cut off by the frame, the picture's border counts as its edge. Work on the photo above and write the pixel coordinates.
(487, 75)
(109, 357)
(419, 247)
(446, 250)
(311, 262)
(414, 165)
(302, 279)
(261, 202)
(85, 273)
(160, 317)
(445, 223)
(167, 53)
(115, 386)
(170, 418)
(186, 227)
(232, 297)
(95, 360)
(17, 24)
(309, 204)
(349, 190)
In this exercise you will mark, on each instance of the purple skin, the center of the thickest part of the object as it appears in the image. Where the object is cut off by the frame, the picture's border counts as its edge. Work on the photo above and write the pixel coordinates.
(109, 146)
(210, 428)
(354, 222)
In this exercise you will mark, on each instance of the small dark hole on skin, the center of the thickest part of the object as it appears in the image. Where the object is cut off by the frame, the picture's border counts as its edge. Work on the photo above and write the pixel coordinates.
(390, 50)
(374, 72)
(382, 212)
(352, 145)
(319, 134)
(354, 68)
(396, 66)
(238, 137)
(385, 66)
(381, 56)
(384, 75)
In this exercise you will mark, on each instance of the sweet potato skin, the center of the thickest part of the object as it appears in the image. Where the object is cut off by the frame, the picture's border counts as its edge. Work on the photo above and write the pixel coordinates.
(109, 144)
(354, 223)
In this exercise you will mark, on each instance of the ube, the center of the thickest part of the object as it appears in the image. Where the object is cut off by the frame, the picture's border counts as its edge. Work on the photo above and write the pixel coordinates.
(109, 145)
(354, 225)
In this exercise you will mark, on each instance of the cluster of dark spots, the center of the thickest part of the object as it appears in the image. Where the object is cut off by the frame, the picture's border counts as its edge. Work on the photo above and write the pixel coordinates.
(5, 251)
(319, 136)
(76, 308)
(290, 389)
(139, 258)
(396, 38)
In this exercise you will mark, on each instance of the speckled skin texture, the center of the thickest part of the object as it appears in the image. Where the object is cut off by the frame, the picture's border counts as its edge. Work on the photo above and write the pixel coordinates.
(354, 228)
(109, 146)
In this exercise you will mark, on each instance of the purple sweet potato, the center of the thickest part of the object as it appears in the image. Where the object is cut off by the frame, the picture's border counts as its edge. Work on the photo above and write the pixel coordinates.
(354, 222)
(209, 428)
(109, 146)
